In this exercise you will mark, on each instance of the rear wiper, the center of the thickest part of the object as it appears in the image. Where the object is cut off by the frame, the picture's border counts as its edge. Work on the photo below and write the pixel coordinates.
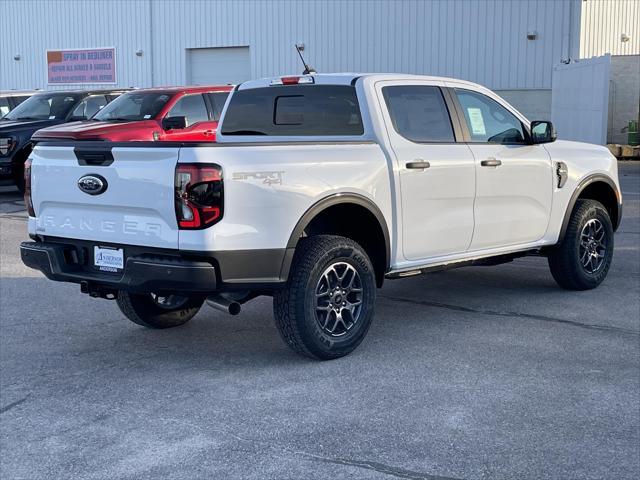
(244, 132)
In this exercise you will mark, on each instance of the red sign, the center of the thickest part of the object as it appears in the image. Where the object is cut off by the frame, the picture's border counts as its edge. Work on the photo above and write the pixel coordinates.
(89, 65)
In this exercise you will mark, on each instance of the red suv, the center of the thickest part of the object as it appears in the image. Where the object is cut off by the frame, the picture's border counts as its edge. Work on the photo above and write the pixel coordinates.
(172, 114)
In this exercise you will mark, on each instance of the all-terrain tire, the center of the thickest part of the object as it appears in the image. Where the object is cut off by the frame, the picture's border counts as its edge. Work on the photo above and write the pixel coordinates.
(566, 260)
(317, 265)
(143, 310)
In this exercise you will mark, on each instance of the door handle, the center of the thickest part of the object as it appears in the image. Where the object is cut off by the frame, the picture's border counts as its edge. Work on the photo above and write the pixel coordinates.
(208, 132)
(418, 165)
(491, 162)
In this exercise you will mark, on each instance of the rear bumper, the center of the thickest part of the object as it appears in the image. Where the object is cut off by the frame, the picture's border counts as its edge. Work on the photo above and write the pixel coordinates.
(142, 272)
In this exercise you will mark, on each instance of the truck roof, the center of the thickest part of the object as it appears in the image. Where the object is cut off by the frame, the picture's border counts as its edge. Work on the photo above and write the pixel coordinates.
(187, 89)
(349, 77)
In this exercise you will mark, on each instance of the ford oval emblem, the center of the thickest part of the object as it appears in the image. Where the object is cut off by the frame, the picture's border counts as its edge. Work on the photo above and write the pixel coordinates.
(92, 184)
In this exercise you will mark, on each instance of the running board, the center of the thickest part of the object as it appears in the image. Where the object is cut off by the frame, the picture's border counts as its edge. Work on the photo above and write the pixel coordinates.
(487, 261)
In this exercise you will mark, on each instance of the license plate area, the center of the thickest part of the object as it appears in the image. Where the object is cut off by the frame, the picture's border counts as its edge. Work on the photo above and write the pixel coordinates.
(108, 259)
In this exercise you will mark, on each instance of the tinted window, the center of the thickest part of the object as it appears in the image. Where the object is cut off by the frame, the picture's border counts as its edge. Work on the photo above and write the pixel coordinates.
(419, 113)
(296, 110)
(88, 107)
(4, 107)
(191, 107)
(217, 100)
(45, 106)
(488, 121)
(134, 106)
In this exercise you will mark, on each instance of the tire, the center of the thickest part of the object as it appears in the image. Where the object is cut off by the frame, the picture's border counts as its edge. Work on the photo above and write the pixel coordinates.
(310, 324)
(582, 260)
(147, 309)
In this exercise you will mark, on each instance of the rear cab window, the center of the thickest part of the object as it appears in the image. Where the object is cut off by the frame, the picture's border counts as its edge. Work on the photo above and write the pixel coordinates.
(294, 110)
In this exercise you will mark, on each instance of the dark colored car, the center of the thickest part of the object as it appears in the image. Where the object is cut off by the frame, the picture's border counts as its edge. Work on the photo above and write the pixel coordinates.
(178, 114)
(39, 111)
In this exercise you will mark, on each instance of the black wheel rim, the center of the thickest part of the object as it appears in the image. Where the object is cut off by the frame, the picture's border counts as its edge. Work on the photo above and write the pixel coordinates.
(168, 302)
(338, 299)
(593, 246)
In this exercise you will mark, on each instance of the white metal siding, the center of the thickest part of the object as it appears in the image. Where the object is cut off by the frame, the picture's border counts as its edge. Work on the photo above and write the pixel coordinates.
(602, 24)
(479, 40)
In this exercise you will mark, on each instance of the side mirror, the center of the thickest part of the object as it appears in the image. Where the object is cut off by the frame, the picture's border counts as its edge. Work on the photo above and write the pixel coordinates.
(543, 131)
(174, 123)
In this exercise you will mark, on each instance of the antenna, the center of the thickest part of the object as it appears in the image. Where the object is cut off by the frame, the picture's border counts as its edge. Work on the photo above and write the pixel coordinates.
(307, 69)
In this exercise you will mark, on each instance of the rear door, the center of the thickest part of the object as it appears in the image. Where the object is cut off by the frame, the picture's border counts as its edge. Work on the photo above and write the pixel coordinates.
(437, 173)
(135, 208)
(200, 126)
(513, 178)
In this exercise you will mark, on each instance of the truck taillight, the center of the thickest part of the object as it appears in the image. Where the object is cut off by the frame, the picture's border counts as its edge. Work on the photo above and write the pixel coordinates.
(27, 188)
(198, 195)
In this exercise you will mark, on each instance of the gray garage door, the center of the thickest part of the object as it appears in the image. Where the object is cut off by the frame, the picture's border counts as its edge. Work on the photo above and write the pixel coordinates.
(210, 66)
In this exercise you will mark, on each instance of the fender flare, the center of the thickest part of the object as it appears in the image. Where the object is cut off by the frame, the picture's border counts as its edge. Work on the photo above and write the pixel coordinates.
(323, 204)
(596, 177)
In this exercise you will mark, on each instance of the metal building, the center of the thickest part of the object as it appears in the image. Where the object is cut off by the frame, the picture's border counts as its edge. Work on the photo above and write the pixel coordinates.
(510, 46)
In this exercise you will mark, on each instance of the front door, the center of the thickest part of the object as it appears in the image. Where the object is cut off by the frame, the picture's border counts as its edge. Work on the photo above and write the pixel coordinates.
(437, 175)
(200, 127)
(514, 178)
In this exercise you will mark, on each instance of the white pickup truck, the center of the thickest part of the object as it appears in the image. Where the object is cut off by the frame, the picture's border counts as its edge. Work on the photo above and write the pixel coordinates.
(319, 188)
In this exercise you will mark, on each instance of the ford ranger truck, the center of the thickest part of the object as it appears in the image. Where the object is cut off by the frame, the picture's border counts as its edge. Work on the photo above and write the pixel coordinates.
(320, 188)
(169, 114)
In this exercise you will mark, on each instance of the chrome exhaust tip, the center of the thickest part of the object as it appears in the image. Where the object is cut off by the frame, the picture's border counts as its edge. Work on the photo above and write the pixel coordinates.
(224, 304)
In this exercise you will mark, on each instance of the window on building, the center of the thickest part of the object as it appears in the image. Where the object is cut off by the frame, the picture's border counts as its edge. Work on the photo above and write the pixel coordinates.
(295, 110)
(419, 113)
(192, 107)
(488, 121)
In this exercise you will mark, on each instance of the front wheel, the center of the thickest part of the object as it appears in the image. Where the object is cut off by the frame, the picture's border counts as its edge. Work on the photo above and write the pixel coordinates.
(582, 260)
(158, 311)
(326, 307)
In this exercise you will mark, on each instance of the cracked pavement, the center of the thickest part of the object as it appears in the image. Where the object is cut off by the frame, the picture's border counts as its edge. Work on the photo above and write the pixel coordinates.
(480, 372)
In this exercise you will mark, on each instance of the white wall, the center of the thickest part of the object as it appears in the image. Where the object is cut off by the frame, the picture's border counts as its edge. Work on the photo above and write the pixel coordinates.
(602, 24)
(480, 40)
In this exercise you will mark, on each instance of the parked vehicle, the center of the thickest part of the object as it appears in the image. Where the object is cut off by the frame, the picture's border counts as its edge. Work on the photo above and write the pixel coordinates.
(319, 188)
(162, 114)
(39, 111)
(10, 99)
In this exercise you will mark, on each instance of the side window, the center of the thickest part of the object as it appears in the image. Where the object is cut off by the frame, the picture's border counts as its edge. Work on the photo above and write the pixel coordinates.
(4, 107)
(217, 100)
(88, 107)
(419, 113)
(191, 107)
(488, 121)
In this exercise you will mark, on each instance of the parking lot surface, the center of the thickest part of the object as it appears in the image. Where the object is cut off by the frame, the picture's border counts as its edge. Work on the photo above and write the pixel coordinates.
(483, 372)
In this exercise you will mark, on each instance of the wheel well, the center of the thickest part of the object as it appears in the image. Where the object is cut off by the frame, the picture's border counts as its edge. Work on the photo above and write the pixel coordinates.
(359, 224)
(603, 193)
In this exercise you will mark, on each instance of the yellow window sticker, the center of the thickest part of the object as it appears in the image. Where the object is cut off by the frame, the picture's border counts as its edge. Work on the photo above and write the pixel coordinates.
(477, 122)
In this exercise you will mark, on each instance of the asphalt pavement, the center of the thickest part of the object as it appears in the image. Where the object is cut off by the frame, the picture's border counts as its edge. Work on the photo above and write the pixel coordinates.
(481, 372)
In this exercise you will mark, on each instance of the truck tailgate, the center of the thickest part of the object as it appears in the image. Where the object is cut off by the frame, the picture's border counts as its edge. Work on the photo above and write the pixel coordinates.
(136, 208)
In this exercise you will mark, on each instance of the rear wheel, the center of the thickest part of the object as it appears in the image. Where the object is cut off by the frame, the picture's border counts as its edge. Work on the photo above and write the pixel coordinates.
(158, 311)
(582, 260)
(326, 308)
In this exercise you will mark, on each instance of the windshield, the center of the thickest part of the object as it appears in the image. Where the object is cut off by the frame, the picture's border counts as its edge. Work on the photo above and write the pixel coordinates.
(133, 106)
(45, 106)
